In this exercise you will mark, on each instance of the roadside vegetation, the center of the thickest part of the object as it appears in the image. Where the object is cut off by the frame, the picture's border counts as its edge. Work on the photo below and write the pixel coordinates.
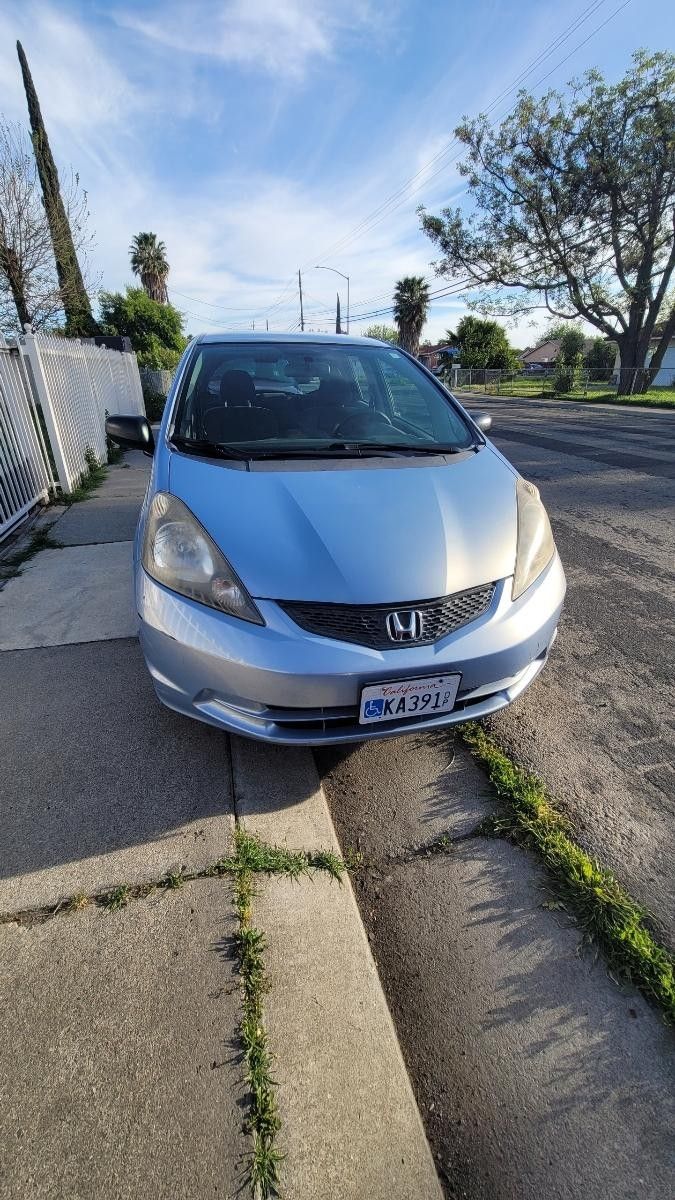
(41, 539)
(90, 479)
(610, 920)
(542, 388)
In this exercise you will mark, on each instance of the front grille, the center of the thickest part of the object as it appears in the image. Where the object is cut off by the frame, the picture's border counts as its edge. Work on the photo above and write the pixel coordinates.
(366, 624)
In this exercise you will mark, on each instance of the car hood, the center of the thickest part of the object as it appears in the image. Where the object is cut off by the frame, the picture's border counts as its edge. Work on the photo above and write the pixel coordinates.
(357, 531)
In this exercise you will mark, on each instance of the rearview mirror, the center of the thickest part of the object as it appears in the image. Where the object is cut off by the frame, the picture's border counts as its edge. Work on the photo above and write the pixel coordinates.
(483, 420)
(134, 433)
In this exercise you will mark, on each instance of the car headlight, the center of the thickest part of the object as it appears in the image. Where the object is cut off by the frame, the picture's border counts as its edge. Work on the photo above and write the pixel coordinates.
(180, 554)
(535, 547)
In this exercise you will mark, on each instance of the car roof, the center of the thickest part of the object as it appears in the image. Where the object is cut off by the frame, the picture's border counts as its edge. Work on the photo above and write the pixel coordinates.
(326, 339)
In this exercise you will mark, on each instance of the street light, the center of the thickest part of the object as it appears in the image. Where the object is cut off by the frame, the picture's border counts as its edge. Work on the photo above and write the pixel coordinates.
(336, 272)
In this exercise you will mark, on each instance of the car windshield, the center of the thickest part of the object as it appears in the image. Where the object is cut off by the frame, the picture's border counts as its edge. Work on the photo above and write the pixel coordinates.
(274, 399)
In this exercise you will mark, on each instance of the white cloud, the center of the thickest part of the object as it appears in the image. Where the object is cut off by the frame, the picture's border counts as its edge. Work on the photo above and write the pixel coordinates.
(234, 238)
(283, 37)
(77, 84)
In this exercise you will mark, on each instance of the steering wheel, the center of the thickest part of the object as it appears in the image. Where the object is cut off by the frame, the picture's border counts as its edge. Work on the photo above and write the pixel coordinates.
(362, 425)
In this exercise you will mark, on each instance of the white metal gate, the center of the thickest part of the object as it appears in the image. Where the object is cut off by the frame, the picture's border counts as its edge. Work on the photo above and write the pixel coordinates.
(26, 475)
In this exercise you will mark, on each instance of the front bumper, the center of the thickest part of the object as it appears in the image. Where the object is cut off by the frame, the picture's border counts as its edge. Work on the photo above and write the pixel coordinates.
(280, 684)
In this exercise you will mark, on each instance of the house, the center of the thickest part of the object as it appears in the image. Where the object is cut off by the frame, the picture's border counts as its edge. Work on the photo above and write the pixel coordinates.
(542, 356)
(665, 376)
(431, 356)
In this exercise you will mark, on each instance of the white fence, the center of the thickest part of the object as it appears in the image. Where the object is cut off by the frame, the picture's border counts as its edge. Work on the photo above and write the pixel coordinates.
(54, 396)
(76, 384)
(26, 475)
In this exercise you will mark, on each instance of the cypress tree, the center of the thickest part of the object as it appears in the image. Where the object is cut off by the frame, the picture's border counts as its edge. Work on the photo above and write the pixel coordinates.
(338, 326)
(79, 319)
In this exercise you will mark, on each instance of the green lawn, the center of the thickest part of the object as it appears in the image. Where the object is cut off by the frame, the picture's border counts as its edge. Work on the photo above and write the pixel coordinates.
(538, 389)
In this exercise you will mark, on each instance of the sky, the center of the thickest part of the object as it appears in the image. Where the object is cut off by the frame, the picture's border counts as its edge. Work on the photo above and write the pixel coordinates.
(255, 137)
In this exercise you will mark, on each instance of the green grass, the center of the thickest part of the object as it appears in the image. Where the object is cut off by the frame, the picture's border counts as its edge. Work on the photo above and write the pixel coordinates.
(41, 539)
(264, 1122)
(116, 898)
(596, 393)
(609, 918)
(255, 856)
(173, 880)
(90, 479)
(250, 855)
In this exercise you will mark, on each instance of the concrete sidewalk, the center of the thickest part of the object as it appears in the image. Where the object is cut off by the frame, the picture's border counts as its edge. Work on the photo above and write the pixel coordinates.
(120, 1066)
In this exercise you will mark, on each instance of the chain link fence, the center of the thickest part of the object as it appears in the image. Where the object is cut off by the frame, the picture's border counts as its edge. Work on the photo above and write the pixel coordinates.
(567, 383)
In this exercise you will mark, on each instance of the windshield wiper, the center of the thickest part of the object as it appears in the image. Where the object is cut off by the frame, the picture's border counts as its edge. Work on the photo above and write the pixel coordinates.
(357, 450)
(208, 449)
(333, 450)
(374, 448)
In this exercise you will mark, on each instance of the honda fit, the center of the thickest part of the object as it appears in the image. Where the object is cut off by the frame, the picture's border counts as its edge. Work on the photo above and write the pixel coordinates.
(330, 549)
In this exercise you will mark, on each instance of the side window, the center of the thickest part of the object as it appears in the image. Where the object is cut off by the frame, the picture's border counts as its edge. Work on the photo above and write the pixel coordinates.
(408, 400)
(191, 392)
(362, 381)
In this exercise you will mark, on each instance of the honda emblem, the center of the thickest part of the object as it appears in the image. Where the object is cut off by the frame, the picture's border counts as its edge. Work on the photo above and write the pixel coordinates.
(404, 626)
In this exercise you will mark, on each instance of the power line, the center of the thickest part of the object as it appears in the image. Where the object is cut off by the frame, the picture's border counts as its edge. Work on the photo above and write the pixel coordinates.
(388, 204)
(397, 198)
(369, 223)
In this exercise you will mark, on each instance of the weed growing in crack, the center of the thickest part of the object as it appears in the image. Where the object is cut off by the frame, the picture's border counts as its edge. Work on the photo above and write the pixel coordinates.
(609, 918)
(263, 1121)
(90, 479)
(117, 898)
(41, 539)
(257, 857)
(252, 857)
(173, 880)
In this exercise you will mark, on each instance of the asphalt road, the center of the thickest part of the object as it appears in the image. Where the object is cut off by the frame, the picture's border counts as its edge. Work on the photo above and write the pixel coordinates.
(534, 1072)
(599, 725)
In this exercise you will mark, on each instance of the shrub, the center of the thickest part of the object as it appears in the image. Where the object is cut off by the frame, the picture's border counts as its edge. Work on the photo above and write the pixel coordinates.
(563, 380)
(154, 404)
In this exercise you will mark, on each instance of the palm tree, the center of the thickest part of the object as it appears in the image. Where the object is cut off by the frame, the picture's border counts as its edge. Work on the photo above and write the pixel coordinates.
(148, 259)
(411, 304)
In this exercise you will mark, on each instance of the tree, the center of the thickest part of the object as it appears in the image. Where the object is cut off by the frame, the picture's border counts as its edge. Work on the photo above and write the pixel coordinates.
(385, 333)
(156, 330)
(482, 343)
(29, 286)
(149, 261)
(571, 337)
(76, 305)
(575, 209)
(411, 305)
(338, 327)
(600, 355)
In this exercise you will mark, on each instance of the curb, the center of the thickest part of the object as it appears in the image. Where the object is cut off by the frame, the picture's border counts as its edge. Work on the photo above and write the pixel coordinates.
(351, 1126)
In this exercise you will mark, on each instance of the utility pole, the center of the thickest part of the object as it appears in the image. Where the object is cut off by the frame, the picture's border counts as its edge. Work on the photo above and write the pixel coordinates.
(336, 272)
(302, 315)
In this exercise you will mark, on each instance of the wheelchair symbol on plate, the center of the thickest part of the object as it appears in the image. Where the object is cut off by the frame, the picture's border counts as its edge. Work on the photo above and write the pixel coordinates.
(373, 708)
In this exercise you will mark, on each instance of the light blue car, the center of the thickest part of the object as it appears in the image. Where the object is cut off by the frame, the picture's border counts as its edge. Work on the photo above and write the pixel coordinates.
(330, 550)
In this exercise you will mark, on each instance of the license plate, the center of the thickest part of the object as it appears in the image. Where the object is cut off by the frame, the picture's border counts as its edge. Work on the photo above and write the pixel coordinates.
(402, 698)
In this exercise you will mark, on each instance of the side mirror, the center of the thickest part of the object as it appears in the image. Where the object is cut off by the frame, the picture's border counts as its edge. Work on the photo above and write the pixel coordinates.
(134, 433)
(483, 420)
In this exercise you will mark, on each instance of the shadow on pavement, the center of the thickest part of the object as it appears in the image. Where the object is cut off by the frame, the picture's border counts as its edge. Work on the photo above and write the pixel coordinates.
(97, 764)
